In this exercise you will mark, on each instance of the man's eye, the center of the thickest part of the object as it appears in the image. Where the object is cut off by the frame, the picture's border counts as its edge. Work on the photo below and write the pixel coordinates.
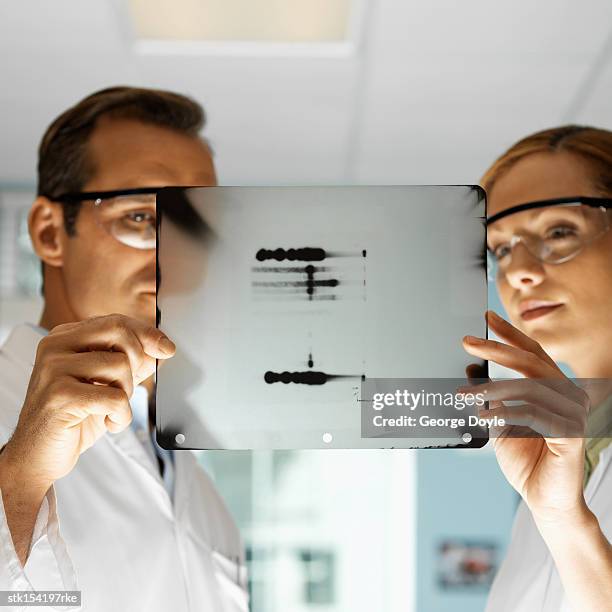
(139, 217)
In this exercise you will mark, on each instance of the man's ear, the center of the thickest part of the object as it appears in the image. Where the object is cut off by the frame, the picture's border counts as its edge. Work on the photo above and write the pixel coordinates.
(46, 226)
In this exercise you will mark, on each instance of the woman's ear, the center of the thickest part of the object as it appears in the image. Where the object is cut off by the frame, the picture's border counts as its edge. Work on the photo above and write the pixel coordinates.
(46, 226)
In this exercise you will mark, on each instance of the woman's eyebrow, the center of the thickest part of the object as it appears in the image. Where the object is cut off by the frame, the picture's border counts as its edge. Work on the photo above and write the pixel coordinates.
(535, 214)
(571, 209)
(495, 229)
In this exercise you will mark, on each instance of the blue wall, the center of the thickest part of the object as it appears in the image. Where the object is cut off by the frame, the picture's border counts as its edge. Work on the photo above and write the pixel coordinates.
(461, 494)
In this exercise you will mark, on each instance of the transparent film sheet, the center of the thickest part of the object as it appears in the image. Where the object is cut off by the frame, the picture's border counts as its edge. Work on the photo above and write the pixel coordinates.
(283, 301)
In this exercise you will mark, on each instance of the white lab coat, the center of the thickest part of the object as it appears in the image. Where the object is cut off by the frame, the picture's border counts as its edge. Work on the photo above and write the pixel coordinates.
(110, 529)
(527, 580)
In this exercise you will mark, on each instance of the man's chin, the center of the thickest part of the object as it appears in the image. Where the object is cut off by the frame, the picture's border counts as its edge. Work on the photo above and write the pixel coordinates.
(144, 308)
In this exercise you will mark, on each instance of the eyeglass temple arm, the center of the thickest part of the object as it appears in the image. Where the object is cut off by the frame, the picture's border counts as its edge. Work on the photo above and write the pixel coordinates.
(588, 201)
(101, 195)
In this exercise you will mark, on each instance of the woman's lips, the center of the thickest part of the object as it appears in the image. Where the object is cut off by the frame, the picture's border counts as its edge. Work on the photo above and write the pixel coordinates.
(532, 309)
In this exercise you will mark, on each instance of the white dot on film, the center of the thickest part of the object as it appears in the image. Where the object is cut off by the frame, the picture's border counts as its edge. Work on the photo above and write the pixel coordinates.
(179, 438)
(466, 437)
(327, 438)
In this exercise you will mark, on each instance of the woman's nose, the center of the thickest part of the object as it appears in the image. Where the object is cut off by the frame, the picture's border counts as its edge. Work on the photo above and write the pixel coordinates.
(524, 268)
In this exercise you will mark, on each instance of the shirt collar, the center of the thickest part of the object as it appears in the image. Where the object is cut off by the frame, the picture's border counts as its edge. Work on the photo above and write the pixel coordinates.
(599, 421)
(139, 403)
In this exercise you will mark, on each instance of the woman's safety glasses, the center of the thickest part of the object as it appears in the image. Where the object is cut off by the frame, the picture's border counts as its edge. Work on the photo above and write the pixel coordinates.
(128, 215)
(552, 231)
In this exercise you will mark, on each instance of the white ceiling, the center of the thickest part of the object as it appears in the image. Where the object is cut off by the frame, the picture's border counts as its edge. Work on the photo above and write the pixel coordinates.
(435, 90)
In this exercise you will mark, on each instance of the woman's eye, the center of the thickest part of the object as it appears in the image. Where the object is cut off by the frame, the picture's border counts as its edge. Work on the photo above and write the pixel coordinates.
(560, 232)
(501, 251)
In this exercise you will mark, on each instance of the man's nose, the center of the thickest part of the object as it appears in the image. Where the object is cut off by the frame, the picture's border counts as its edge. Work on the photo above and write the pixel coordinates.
(524, 268)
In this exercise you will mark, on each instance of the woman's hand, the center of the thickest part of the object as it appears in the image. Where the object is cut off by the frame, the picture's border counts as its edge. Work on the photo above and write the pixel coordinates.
(545, 465)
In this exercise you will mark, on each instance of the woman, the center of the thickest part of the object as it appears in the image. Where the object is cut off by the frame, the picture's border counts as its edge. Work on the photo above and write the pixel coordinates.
(554, 277)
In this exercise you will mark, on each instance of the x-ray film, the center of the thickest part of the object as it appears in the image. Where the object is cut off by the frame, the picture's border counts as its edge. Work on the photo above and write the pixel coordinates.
(293, 307)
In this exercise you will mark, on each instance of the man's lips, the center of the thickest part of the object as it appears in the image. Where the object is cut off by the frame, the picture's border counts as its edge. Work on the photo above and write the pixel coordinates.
(531, 309)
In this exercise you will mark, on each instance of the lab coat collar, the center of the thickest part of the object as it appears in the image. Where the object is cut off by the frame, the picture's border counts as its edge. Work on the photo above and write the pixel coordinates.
(22, 343)
(605, 460)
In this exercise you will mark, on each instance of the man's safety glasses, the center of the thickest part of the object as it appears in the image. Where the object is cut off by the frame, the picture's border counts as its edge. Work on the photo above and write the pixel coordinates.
(553, 231)
(128, 215)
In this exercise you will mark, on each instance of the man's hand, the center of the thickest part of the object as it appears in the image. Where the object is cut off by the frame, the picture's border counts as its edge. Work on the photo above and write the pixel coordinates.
(83, 377)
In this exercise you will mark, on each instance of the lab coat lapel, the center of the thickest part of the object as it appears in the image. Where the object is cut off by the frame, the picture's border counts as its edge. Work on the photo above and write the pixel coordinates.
(128, 444)
(19, 354)
(21, 344)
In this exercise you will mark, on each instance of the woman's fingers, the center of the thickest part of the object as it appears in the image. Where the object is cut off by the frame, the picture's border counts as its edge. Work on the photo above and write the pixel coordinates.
(531, 391)
(546, 423)
(515, 358)
(515, 337)
(527, 363)
(548, 408)
(552, 406)
(478, 382)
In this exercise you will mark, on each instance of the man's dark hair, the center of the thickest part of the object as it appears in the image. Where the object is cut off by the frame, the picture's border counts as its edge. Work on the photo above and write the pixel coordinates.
(64, 165)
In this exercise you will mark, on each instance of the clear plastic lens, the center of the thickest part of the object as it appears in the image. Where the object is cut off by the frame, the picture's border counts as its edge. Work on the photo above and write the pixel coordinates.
(135, 229)
(553, 235)
(130, 219)
(491, 267)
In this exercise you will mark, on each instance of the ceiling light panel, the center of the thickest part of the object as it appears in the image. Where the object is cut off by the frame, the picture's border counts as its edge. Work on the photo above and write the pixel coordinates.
(268, 21)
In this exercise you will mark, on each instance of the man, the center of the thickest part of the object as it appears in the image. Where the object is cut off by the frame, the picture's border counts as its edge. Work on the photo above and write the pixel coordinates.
(89, 501)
